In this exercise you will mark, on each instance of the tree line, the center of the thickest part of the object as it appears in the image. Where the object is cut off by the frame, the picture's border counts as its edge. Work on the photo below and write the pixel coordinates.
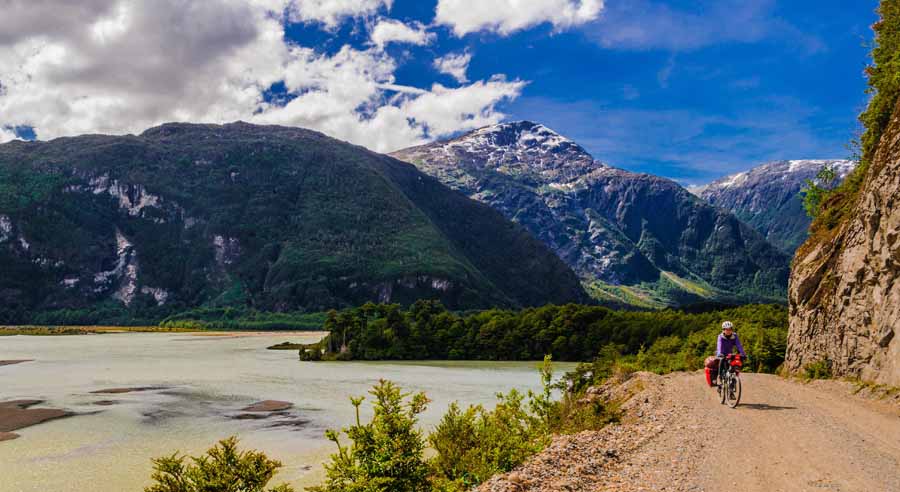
(665, 340)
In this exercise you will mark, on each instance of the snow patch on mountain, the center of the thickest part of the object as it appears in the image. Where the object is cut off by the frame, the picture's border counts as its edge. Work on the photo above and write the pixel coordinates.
(602, 221)
(516, 149)
(767, 196)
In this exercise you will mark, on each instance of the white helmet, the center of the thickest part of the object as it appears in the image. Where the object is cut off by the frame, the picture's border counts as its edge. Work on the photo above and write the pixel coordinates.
(727, 325)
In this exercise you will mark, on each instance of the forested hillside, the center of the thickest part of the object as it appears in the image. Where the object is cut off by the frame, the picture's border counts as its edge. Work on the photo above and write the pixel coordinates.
(96, 227)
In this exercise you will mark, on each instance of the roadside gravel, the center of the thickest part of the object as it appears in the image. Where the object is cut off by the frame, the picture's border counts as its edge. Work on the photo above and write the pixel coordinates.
(675, 436)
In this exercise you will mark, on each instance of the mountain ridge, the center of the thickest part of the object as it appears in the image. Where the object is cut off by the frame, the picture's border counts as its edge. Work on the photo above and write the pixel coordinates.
(604, 221)
(274, 218)
(767, 197)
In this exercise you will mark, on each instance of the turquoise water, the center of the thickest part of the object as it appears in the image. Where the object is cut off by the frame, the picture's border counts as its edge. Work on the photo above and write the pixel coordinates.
(202, 383)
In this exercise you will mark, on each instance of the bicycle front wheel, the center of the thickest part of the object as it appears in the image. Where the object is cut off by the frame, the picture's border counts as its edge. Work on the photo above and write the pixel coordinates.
(734, 391)
(723, 388)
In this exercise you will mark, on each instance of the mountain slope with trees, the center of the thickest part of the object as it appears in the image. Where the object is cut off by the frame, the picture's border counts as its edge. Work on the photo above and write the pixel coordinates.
(768, 197)
(268, 218)
(635, 239)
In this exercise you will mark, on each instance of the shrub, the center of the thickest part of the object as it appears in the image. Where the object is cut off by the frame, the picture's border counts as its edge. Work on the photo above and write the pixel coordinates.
(385, 454)
(469, 445)
(820, 369)
(222, 469)
(815, 192)
(476, 444)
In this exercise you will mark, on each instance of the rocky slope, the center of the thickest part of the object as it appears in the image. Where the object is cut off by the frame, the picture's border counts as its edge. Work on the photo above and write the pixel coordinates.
(767, 197)
(844, 294)
(268, 217)
(638, 239)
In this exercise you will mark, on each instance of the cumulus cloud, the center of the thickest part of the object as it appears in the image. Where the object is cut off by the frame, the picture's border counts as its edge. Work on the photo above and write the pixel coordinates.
(455, 65)
(121, 66)
(332, 12)
(410, 116)
(7, 134)
(393, 31)
(507, 16)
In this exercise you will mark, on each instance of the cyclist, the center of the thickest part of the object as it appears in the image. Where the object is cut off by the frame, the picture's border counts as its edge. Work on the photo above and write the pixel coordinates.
(725, 345)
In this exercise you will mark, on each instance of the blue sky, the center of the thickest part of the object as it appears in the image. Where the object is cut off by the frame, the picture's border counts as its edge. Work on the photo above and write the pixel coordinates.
(700, 97)
(690, 90)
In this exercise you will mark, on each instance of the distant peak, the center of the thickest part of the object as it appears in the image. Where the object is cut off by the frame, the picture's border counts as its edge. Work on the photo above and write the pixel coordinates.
(521, 134)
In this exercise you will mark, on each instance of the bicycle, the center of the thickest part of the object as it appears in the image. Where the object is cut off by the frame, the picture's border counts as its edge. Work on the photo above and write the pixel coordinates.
(730, 380)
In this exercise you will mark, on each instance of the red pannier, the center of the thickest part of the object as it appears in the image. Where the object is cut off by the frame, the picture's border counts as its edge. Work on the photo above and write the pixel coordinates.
(712, 370)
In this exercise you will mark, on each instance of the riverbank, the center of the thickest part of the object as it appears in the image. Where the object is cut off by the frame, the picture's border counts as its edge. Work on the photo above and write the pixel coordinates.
(37, 330)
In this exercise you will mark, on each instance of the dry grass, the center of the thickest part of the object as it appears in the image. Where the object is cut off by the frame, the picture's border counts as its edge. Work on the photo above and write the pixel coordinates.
(85, 330)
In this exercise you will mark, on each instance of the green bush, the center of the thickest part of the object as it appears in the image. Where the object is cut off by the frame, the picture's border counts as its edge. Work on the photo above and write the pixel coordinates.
(815, 192)
(469, 445)
(385, 454)
(473, 445)
(222, 469)
(820, 369)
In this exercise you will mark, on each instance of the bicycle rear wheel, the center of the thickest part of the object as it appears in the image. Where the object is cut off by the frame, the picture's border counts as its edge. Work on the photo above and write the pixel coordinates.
(733, 393)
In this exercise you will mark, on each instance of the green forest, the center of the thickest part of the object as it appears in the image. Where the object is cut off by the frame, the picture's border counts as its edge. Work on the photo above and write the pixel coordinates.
(660, 341)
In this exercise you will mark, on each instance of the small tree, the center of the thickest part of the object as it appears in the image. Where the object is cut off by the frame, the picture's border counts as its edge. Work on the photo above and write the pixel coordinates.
(543, 405)
(816, 191)
(222, 469)
(386, 454)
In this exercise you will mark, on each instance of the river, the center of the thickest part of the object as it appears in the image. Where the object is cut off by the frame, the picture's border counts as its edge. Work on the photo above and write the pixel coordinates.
(199, 385)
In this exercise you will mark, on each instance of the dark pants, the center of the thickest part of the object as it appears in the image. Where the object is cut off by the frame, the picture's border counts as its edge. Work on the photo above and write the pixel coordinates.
(723, 366)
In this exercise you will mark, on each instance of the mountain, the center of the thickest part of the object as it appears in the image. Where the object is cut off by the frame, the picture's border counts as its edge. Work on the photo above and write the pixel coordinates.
(636, 239)
(767, 197)
(267, 217)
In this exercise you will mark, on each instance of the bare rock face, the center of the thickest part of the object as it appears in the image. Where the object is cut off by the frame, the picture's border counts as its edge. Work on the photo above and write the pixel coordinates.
(844, 298)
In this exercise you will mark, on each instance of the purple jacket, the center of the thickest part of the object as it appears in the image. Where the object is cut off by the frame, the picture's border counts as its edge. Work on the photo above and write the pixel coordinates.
(725, 346)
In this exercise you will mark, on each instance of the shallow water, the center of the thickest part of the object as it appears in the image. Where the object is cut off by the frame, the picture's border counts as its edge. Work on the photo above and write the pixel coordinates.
(203, 381)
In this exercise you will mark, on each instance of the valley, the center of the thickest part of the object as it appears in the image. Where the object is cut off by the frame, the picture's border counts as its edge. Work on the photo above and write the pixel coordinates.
(449, 246)
(605, 222)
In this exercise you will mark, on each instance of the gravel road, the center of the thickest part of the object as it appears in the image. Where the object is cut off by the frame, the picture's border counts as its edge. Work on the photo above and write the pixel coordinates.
(785, 436)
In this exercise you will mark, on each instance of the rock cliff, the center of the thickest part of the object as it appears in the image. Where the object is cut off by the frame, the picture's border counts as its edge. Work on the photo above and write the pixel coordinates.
(844, 298)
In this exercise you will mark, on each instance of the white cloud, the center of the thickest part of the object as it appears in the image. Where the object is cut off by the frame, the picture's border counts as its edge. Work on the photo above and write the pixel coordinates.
(332, 12)
(394, 116)
(7, 134)
(446, 110)
(122, 66)
(393, 31)
(456, 65)
(507, 16)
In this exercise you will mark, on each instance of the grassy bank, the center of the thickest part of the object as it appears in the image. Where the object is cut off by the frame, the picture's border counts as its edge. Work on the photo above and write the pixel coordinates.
(86, 330)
